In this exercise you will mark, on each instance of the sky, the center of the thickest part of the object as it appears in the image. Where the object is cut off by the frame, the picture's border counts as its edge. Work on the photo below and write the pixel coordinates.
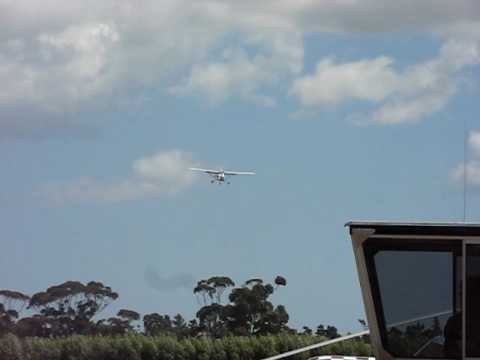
(346, 110)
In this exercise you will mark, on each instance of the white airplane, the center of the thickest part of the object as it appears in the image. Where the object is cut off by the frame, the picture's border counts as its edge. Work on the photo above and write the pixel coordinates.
(220, 175)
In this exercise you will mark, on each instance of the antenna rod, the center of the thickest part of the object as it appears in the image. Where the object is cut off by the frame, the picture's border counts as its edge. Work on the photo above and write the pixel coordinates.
(465, 136)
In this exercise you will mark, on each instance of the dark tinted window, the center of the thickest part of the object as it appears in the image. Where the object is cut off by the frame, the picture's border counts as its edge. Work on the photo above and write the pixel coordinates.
(415, 294)
(472, 321)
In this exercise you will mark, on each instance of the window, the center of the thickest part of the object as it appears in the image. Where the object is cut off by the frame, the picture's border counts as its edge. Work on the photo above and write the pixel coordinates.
(417, 296)
(472, 301)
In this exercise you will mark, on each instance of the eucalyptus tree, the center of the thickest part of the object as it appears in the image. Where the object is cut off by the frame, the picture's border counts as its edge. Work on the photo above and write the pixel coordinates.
(12, 304)
(212, 320)
(204, 290)
(307, 331)
(155, 324)
(180, 326)
(280, 281)
(219, 284)
(72, 305)
(119, 325)
(251, 312)
(14, 301)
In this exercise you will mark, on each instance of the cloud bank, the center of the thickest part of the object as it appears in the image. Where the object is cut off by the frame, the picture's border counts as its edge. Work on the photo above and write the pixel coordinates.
(58, 58)
(401, 96)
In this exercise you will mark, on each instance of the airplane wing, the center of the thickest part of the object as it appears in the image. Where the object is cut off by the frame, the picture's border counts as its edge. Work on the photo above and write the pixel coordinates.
(208, 171)
(239, 173)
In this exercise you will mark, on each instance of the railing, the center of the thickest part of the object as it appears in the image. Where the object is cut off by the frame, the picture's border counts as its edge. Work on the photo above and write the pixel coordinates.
(316, 346)
(352, 336)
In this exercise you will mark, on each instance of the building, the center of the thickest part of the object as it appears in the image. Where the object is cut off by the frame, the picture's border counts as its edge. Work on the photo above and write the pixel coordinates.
(421, 288)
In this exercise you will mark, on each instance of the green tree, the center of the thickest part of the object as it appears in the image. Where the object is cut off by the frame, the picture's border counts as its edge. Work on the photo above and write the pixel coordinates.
(332, 332)
(280, 281)
(204, 290)
(212, 320)
(329, 332)
(155, 324)
(12, 304)
(219, 284)
(363, 324)
(250, 311)
(180, 326)
(307, 331)
(120, 325)
(68, 308)
(7, 320)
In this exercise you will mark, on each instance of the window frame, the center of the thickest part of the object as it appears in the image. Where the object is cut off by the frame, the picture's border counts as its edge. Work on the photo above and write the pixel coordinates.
(465, 243)
(375, 244)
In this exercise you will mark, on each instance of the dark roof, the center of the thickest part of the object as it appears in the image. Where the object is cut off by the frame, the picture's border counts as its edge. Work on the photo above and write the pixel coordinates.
(418, 228)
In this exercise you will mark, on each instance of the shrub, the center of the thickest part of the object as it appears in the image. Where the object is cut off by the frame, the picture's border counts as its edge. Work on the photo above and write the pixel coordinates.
(11, 348)
(139, 347)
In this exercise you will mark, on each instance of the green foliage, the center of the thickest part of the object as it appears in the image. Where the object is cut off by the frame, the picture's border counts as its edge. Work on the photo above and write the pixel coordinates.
(329, 332)
(11, 348)
(140, 347)
(62, 310)
(280, 281)
(40, 349)
(156, 324)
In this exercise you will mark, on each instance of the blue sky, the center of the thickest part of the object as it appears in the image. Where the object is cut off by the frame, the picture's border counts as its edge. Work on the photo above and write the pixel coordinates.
(346, 110)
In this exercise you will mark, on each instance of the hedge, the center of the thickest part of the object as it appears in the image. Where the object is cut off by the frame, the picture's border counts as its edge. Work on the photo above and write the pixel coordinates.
(140, 347)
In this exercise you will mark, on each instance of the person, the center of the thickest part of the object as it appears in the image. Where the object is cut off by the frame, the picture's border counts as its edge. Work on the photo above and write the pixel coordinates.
(452, 333)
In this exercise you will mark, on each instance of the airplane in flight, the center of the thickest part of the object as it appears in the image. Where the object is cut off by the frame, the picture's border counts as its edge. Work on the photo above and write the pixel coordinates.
(219, 176)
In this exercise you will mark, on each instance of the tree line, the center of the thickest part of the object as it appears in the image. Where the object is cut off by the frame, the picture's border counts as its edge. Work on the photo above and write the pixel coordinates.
(72, 308)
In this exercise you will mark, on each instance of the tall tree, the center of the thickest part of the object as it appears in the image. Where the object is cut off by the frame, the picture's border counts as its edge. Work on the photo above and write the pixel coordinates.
(220, 284)
(307, 331)
(250, 311)
(332, 332)
(119, 325)
(12, 304)
(212, 320)
(363, 324)
(7, 320)
(280, 281)
(14, 301)
(180, 326)
(72, 305)
(204, 290)
(156, 324)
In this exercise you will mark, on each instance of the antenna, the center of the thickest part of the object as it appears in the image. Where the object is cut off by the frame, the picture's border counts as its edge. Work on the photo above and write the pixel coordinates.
(464, 170)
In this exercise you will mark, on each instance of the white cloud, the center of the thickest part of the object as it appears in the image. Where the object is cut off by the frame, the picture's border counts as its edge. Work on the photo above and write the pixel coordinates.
(65, 57)
(69, 67)
(62, 56)
(407, 95)
(162, 174)
(411, 109)
(472, 171)
(472, 168)
(474, 143)
(236, 76)
(382, 16)
(332, 83)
